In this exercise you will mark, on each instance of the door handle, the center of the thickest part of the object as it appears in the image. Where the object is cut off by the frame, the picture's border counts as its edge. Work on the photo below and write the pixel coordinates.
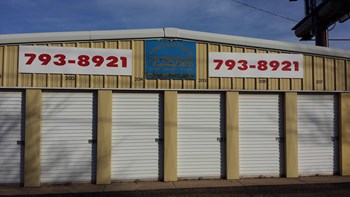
(334, 138)
(280, 139)
(92, 141)
(158, 140)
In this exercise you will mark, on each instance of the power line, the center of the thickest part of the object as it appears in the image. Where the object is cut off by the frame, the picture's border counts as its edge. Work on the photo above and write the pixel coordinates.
(339, 39)
(332, 39)
(265, 11)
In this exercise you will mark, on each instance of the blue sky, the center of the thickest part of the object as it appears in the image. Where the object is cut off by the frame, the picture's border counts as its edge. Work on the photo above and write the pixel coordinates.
(216, 16)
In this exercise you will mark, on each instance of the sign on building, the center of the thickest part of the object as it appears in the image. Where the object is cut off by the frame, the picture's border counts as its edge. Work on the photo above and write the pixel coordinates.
(166, 59)
(69, 60)
(256, 65)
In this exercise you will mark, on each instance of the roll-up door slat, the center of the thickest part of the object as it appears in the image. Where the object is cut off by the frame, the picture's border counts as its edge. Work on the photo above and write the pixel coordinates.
(135, 128)
(66, 128)
(10, 133)
(317, 153)
(199, 127)
(259, 130)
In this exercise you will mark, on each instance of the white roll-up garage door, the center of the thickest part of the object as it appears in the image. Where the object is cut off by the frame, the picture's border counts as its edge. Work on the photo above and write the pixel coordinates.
(260, 135)
(317, 135)
(200, 136)
(136, 137)
(66, 133)
(10, 133)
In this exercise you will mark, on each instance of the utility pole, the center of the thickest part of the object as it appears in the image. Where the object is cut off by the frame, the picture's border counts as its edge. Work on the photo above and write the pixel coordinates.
(320, 28)
(321, 34)
(319, 15)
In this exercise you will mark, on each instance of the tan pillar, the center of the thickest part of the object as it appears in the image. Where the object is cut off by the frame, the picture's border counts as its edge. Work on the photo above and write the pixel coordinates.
(32, 138)
(291, 134)
(170, 136)
(104, 134)
(232, 143)
(344, 134)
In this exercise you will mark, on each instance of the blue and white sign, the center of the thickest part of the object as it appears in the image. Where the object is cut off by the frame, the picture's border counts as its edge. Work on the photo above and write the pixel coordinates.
(167, 59)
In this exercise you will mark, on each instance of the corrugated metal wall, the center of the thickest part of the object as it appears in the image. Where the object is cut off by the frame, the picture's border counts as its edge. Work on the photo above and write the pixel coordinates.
(320, 73)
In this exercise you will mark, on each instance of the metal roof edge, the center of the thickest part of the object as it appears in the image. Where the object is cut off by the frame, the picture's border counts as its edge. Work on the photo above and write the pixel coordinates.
(170, 33)
(44, 37)
(254, 42)
(127, 34)
(80, 35)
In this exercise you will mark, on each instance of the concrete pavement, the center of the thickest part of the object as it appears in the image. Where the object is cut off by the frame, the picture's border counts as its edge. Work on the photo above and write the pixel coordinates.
(12, 190)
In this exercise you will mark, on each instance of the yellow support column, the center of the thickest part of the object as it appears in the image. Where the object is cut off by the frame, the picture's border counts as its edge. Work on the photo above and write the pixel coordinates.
(344, 134)
(170, 136)
(32, 138)
(104, 134)
(291, 134)
(232, 143)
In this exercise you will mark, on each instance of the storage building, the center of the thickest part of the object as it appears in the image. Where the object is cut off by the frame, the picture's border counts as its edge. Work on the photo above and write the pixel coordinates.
(169, 104)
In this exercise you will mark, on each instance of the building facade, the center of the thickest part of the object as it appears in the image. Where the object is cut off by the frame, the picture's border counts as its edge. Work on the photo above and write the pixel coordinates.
(169, 104)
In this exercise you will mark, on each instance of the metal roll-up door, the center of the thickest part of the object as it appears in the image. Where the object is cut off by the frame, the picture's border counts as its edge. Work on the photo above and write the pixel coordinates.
(201, 144)
(11, 152)
(317, 135)
(67, 137)
(137, 133)
(260, 135)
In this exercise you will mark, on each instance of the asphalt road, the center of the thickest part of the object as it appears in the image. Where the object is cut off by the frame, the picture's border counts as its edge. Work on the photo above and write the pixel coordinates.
(318, 190)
